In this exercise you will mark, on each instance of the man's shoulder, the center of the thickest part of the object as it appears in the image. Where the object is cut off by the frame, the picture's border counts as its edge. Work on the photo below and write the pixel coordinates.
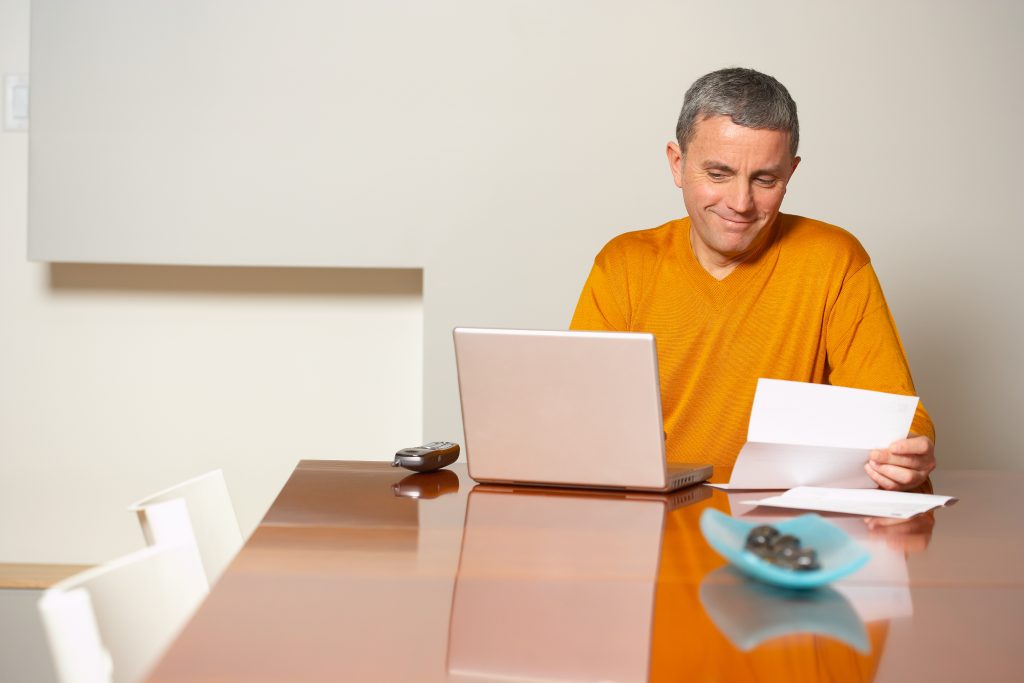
(645, 244)
(809, 238)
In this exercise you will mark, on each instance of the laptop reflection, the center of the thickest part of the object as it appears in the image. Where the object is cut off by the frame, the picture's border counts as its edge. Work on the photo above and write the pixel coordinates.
(557, 585)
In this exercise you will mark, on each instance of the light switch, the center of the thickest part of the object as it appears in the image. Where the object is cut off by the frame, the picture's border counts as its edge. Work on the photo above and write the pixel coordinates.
(16, 102)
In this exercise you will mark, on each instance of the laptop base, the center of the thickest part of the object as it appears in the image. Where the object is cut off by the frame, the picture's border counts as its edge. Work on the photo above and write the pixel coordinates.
(679, 476)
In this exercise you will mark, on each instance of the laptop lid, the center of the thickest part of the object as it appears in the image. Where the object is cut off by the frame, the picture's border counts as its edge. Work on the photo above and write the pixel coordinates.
(564, 408)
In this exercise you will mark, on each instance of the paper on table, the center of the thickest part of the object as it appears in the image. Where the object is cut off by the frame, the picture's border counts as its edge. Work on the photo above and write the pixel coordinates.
(803, 434)
(875, 503)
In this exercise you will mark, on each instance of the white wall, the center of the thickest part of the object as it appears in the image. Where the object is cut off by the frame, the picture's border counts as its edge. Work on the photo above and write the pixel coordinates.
(117, 381)
(497, 145)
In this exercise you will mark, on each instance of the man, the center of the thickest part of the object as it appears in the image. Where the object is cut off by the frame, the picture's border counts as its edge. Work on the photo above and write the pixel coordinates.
(738, 290)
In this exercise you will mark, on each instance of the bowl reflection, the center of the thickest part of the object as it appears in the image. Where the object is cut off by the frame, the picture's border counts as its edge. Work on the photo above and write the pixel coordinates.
(749, 612)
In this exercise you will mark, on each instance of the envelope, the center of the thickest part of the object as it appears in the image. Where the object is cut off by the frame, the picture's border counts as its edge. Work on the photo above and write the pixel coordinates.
(803, 434)
(875, 503)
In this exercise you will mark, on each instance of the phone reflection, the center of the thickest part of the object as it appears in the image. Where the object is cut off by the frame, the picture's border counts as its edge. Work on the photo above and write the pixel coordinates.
(748, 612)
(557, 585)
(427, 485)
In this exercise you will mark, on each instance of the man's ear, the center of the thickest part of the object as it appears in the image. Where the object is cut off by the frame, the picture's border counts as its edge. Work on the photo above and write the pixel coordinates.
(675, 162)
(796, 162)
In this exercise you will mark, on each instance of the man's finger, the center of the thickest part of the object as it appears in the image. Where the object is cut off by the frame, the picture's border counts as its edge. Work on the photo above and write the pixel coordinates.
(880, 479)
(916, 445)
(904, 477)
(912, 461)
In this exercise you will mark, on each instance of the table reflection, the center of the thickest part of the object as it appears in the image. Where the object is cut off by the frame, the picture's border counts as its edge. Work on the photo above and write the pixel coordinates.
(907, 535)
(749, 613)
(707, 637)
(558, 585)
(880, 589)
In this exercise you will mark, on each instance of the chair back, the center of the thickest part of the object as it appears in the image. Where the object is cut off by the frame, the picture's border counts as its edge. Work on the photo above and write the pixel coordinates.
(70, 625)
(211, 520)
(138, 604)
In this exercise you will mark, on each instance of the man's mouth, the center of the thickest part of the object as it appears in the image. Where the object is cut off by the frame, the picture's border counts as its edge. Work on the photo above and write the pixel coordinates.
(736, 223)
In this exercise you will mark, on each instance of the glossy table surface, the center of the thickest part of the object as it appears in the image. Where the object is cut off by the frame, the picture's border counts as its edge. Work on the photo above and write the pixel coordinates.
(362, 572)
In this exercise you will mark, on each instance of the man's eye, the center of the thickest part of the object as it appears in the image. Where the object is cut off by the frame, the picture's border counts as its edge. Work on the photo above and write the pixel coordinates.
(715, 175)
(766, 182)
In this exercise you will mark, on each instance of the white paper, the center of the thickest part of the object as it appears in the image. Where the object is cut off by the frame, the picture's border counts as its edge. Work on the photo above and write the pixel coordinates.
(778, 466)
(873, 503)
(803, 434)
(823, 415)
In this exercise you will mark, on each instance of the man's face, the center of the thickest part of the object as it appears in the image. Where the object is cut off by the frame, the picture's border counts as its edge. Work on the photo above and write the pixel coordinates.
(733, 180)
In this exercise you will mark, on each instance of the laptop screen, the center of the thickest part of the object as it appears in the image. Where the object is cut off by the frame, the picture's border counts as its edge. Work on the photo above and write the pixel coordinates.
(567, 408)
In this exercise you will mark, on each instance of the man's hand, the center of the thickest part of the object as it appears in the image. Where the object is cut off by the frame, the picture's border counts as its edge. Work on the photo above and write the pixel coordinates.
(903, 466)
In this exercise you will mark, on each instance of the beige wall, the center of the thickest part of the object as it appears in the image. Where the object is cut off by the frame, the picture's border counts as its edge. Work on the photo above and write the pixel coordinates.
(119, 381)
(116, 382)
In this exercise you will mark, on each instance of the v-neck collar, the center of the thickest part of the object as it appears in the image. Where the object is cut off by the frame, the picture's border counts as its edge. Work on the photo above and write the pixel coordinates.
(720, 292)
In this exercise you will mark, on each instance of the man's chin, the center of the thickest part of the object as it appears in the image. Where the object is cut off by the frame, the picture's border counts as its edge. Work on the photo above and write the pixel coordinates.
(735, 248)
(740, 243)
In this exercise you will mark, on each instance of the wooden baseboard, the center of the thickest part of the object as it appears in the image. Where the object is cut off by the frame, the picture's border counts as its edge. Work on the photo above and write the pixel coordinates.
(36, 576)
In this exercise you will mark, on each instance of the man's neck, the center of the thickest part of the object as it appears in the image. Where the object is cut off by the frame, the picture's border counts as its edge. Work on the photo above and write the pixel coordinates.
(720, 266)
(718, 269)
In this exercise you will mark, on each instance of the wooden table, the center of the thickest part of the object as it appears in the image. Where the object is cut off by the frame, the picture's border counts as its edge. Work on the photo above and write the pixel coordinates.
(359, 572)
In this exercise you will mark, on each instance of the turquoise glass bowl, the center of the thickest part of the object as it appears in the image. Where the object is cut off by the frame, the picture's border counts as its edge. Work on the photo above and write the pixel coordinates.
(838, 554)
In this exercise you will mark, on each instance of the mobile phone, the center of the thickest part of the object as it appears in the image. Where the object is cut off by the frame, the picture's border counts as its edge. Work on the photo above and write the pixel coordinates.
(428, 457)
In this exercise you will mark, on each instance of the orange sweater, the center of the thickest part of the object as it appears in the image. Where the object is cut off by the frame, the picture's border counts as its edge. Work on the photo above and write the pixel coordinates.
(808, 309)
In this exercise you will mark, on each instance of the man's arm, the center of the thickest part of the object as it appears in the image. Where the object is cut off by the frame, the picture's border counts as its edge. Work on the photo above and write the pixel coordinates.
(603, 303)
(865, 351)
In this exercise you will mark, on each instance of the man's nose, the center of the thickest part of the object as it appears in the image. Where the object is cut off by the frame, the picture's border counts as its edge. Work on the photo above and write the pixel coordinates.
(739, 197)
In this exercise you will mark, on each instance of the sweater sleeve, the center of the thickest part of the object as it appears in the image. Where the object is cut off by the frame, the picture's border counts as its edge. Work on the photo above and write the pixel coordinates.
(864, 347)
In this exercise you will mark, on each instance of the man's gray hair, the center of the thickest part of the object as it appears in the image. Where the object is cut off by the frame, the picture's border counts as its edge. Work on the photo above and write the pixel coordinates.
(750, 98)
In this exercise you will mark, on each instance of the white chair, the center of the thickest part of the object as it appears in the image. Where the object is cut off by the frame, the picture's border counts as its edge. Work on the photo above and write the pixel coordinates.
(110, 624)
(211, 523)
(74, 636)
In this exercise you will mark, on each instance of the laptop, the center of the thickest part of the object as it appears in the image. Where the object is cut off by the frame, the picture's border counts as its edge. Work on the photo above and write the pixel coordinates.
(570, 409)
